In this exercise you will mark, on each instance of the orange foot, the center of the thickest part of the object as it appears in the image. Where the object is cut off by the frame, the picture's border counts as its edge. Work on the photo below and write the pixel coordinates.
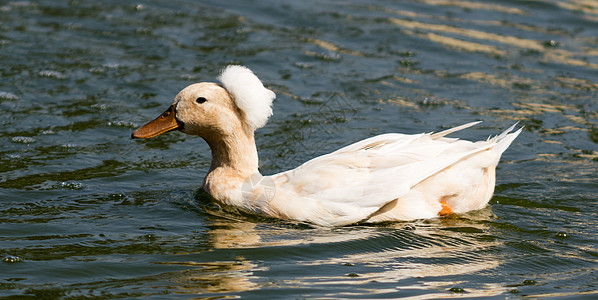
(446, 209)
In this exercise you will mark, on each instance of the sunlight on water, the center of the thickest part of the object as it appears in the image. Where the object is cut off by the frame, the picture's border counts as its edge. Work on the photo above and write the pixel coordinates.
(87, 212)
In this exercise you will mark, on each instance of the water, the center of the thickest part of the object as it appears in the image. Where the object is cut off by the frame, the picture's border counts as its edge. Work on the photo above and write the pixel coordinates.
(86, 212)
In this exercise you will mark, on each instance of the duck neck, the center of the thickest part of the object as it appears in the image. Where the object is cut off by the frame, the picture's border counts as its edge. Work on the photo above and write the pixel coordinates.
(234, 155)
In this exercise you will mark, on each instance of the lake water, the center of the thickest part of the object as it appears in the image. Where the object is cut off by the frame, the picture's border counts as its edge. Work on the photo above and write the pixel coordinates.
(88, 213)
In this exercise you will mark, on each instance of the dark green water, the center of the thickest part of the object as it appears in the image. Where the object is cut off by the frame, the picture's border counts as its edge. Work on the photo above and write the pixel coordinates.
(88, 213)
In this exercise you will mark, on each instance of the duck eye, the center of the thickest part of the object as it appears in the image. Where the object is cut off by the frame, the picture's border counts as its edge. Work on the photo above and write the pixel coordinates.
(201, 100)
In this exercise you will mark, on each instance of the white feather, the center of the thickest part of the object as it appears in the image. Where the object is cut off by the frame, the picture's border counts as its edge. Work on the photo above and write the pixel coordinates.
(350, 184)
(249, 94)
(389, 177)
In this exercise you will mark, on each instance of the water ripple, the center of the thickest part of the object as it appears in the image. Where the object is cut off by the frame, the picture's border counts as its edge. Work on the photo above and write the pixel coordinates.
(91, 213)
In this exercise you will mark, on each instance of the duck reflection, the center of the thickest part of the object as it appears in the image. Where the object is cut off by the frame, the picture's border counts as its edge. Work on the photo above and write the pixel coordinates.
(214, 277)
(437, 251)
(433, 250)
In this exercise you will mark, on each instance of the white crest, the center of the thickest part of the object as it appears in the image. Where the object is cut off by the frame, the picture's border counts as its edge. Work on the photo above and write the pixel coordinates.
(249, 94)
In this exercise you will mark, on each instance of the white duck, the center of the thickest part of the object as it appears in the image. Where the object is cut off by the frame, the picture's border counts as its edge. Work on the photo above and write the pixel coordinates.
(389, 177)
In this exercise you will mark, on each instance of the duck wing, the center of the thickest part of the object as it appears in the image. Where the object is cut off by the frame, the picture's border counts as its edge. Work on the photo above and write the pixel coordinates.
(352, 183)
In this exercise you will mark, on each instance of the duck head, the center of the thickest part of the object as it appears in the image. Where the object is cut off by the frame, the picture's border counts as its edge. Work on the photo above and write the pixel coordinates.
(213, 111)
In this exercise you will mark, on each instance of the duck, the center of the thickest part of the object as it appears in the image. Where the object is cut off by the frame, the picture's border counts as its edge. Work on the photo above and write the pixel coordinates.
(389, 177)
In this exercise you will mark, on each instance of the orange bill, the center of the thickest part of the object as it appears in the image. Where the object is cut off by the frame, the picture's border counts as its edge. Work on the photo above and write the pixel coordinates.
(164, 123)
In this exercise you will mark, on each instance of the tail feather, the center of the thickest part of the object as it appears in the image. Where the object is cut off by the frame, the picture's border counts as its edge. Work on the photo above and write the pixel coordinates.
(504, 140)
